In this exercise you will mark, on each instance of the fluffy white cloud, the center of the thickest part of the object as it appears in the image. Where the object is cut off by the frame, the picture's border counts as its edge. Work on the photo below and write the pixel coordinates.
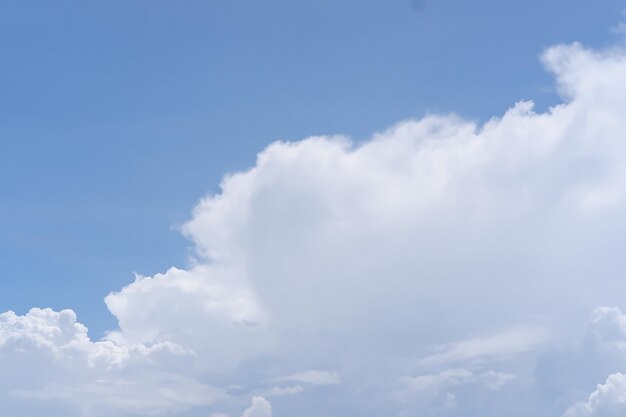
(383, 236)
(374, 260)
(603, 350)
(608, 400)
(48, 362)
(260, 408)
(209, 309)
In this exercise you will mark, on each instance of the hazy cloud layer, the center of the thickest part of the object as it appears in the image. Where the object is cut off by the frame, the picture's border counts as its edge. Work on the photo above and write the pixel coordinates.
(441, 268)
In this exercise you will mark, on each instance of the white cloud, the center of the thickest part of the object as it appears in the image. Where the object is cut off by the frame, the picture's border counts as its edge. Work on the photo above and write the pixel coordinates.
(260, 408)
(437, 381)
(603, 350)
(607, 324)
(313, 377)
(331, 236)
(209, 309)
(454, 377)
(281, 391)
(47, 357)
(608, 400)
(359, 258)
(439, 393)
(494, 347)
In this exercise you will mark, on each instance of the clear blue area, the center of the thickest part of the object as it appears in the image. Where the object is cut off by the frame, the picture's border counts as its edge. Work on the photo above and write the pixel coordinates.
(117, 115)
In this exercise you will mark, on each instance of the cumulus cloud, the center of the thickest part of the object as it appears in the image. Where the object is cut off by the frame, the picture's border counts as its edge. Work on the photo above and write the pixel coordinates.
(208, 309)
(332, 236)
(598, 356)
(407, 254)
(47, 358)
(608, 400)
(260, 408)
(607, 324)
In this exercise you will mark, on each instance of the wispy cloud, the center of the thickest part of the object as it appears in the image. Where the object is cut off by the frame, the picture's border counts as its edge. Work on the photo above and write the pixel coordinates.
(313, 377)
(489, 348)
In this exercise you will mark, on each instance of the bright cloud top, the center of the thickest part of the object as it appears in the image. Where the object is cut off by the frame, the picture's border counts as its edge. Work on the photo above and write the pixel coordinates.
(440, 268)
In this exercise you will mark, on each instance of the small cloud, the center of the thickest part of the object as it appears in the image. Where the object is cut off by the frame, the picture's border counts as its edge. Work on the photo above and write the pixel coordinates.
(454, 377)
(496, 380)
(488, 348)
(434, 382)
(283, 391)
(313, 377)
(260, 408)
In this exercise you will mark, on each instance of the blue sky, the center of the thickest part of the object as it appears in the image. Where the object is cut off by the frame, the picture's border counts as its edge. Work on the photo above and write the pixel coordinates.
(117, 117)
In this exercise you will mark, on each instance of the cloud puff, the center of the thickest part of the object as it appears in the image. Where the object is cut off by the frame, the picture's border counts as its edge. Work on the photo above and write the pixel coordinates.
(373, 260)
(209, 309)
(385, 235)
(608, 400)
(48, 361)
(260, 408)
(603, 351)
